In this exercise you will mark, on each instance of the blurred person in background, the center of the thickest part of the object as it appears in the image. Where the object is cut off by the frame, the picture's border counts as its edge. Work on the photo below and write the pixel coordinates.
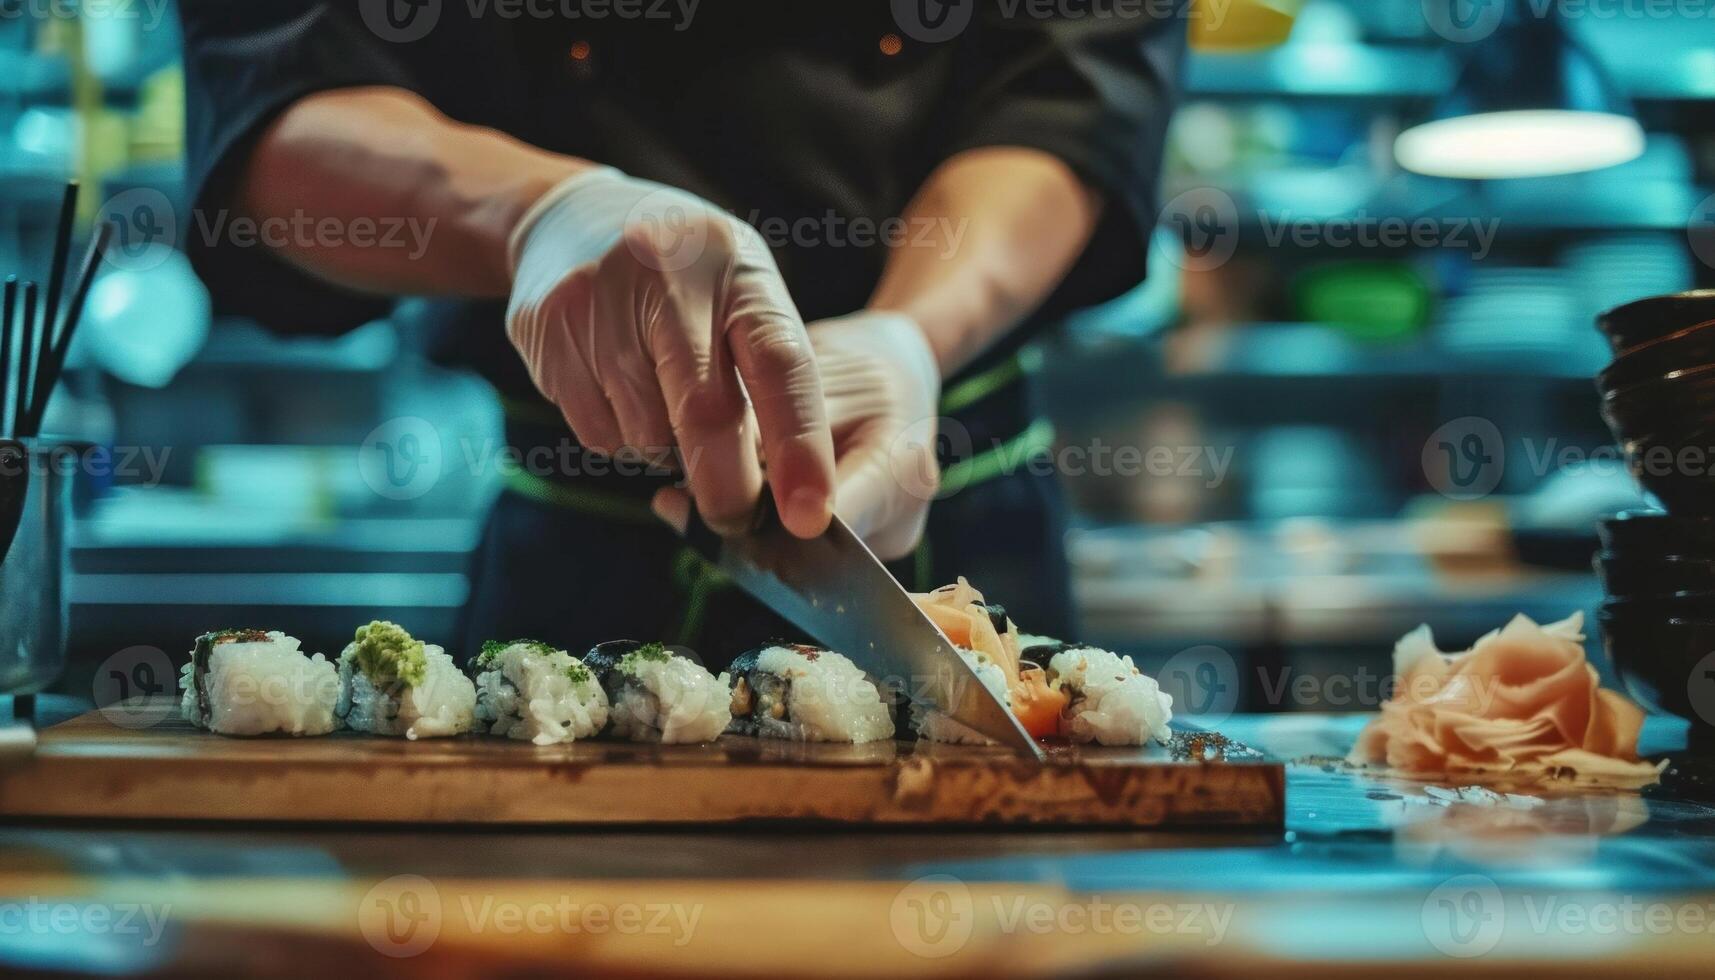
(769, 232)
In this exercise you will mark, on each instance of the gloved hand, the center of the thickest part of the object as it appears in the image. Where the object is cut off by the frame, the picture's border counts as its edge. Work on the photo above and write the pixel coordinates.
(882, 386)
(655, 320)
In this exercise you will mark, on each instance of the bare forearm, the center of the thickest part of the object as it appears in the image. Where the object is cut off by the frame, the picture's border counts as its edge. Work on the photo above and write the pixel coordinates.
(384, 155)
(1003, 226)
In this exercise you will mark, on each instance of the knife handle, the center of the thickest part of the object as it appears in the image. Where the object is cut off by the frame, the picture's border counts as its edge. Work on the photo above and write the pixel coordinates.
(702, 539)
(706, 542)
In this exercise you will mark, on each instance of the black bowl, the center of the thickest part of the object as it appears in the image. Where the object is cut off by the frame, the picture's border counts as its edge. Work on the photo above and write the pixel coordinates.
(1679, 605)
(1626, 577)
(1681, 399)
(1667, 663)
(1678, 468)
(1646, 319)
(1685, 349)
(1652, 534)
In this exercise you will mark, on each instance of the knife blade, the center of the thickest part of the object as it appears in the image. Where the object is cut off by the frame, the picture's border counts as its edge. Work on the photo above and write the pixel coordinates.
(835, 589)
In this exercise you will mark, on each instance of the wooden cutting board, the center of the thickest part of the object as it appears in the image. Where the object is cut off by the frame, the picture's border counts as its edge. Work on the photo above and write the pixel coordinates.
(91, 768)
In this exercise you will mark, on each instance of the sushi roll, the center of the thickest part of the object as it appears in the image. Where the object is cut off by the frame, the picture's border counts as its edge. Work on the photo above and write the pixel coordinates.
(657, 695)
(802, 692)
(531, 691)
(394, 684)
(936, 726)
(1112, 702)
(251, 682)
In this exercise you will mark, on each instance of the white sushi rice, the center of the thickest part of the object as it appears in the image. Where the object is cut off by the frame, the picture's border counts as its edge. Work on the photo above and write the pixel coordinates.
(670, 699)
(263, 688)
(828, 699)
(937, 726)
(443, 704)
(1113, 703)
(542, 696)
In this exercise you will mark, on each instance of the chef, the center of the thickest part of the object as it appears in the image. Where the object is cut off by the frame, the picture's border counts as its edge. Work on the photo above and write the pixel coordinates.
(717, 249)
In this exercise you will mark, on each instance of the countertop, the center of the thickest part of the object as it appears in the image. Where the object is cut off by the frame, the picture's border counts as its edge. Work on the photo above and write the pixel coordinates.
(1369, 872)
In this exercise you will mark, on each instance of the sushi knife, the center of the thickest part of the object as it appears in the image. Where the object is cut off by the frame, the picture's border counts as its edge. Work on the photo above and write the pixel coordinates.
(835, 589)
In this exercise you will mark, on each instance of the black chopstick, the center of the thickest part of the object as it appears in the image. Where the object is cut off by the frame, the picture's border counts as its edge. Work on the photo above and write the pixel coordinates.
(62, 255)
(27, 357)
(47, 375)
(6, 331)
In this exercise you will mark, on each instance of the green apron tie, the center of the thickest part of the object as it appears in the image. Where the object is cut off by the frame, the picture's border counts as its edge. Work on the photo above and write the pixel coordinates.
(1004, 459)
(698, 580)
(584, 500)
(964, 394)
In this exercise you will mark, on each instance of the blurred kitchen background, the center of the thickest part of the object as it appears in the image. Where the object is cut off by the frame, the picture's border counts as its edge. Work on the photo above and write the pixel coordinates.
(1392, 412)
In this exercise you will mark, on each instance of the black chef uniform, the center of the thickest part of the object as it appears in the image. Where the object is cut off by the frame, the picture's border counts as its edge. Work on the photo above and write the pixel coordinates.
(822, 115)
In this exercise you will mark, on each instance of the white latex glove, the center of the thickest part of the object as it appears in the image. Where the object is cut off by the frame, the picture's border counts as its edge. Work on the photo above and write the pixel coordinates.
(657, 321)
(882, 386)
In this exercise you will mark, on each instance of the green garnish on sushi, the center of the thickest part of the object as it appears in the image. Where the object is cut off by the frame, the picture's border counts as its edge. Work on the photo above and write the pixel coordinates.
(648, 652)
(386, 655)
(492, 649)
(578, 673)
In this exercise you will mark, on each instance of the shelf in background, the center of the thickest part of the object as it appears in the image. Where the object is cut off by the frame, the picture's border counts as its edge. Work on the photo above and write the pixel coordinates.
(1401, 72)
